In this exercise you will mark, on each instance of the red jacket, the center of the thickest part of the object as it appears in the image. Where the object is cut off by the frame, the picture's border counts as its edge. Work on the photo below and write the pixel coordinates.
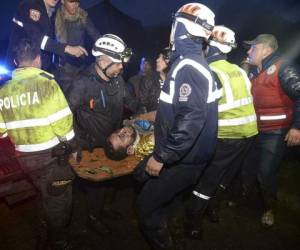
(274, 109)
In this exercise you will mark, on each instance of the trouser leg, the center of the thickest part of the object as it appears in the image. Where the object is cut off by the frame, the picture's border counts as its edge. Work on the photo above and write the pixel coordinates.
(229, 153)
(272, 148)
(56, 200)
(154, 199)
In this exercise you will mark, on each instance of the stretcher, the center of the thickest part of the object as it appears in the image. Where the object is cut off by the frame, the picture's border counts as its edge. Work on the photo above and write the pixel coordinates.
(97, 167)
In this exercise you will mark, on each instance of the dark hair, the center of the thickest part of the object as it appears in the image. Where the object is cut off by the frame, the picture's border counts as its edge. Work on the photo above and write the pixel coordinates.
(166, 52)
(26, 50)
(114, 154)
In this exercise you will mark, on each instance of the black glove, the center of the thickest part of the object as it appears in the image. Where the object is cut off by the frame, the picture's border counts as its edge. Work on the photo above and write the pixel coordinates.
(62, 152)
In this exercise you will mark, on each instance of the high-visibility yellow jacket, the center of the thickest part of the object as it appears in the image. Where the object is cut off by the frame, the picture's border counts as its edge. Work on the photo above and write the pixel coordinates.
(33, 111)
(236, 117)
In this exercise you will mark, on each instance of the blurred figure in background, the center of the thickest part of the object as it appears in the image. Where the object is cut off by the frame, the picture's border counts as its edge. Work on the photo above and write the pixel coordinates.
(151, 84)
(34, 19)
(72, 25)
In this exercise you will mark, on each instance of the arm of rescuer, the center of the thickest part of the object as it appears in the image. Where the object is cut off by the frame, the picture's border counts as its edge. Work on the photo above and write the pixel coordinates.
(289, 75)
(28, 20)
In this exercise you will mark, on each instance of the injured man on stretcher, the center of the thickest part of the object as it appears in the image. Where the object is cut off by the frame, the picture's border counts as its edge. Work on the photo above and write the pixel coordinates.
(136, 137)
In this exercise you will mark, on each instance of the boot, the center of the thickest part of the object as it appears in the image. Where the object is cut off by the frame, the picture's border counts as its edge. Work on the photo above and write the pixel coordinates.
(96, 225)
(159, 239)
(269, 203)
(212, 211)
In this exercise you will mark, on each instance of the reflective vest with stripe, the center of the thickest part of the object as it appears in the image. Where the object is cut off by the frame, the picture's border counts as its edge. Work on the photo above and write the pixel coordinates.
(33, 111)
(236, 117)
(273, 107)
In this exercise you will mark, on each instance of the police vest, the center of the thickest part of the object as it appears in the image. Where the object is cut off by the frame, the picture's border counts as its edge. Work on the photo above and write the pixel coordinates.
(236, 117)
(33, 111)
(273, 107)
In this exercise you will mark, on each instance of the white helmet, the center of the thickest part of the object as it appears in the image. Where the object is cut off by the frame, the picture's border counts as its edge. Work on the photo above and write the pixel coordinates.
(223, 38)
(113, 47)
(198, 20)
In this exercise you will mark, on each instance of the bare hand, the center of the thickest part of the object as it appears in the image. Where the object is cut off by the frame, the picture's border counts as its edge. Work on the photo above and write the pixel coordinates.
(76, 51)
(293, 137)
(153, 167)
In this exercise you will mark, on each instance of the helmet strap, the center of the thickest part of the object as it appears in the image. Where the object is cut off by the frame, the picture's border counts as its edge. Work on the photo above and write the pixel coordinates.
(104, 71)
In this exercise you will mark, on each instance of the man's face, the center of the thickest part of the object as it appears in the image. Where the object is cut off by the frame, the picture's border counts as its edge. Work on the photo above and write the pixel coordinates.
(71, 6)
(123, 137)
(51, 3)
(256, 54)
(114, 70)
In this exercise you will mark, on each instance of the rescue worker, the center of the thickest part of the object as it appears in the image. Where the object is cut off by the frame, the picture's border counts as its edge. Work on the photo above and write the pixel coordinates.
(97, 98)
(236, 130)
(72, 26)
(276, 97)
(99, 111)
(186, 121)
(35, 115)
(34, 19)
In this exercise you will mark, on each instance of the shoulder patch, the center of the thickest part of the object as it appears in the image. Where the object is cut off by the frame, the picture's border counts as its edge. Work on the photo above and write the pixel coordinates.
(184, 91)
(34, 15)
(46, 75)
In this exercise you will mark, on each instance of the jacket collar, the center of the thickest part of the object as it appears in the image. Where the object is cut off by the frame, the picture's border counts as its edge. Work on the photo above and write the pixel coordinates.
(269, 60)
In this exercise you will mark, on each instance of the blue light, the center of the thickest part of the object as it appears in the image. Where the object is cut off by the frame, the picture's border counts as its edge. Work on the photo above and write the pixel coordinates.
(4, 70)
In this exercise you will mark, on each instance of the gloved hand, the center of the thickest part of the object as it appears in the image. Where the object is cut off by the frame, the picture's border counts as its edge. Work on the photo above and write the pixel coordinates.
(62, 152)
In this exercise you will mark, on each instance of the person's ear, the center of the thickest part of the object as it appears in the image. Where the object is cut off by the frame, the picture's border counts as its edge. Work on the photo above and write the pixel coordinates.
(130, 150)
(38, 61)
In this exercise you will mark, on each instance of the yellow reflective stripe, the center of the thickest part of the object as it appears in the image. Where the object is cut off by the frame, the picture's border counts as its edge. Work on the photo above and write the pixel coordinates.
(272, 117)
(27, 123)
(237, 121)
(43, 146)
(235, 104)
(226, 84)
(246, 78)
(40, 121)
(59, 115)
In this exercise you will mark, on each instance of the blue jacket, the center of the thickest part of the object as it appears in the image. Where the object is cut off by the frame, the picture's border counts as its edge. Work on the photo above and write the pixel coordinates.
(32, 21)
(187, 118)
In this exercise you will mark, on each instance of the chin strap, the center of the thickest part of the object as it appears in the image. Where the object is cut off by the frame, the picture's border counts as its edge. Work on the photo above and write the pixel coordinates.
(105, 69)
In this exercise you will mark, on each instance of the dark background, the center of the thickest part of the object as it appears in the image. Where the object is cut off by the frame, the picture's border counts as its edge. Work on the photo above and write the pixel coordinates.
(145, 24)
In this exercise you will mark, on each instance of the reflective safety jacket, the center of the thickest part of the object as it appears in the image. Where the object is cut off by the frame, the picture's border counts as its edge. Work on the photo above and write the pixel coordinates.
(236, 117)
(33, 111)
